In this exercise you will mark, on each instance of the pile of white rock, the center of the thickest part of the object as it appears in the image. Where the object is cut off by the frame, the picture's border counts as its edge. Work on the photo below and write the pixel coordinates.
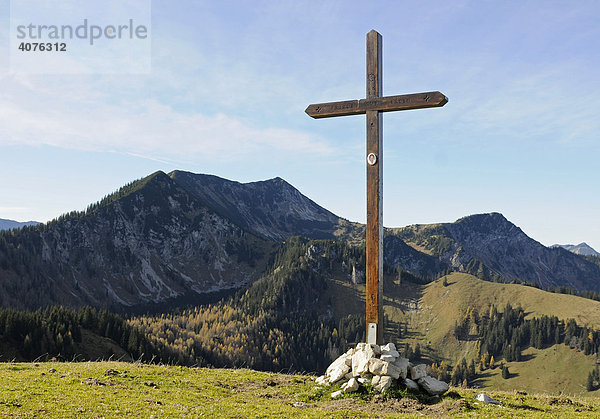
(379, 366)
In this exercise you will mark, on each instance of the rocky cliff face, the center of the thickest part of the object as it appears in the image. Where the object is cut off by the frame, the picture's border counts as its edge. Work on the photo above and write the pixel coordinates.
(151, 242)
(490, 244)
(396, 254)
(272, 209)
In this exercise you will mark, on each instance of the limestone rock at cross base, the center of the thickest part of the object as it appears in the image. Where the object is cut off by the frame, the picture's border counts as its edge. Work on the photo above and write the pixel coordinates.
(363, 346)
(379, 367)
(363, 380)
(432, 386)
(388, 347)
(336, 394)
(338, 373)
(351, 386)
(360, 359)
(341, 361)
(348, 356)
(340, 367)
(411, 385)
(335, 366)
(402, 364)
(393, 371)
(418, 371)
(376, 366)
(375, 380)
(384, 383)
(360, 364)
(387, 358)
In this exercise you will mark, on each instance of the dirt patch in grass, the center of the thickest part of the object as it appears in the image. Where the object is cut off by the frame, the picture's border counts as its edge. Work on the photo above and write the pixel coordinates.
(275, 381)
(273, 387)
(397, 406)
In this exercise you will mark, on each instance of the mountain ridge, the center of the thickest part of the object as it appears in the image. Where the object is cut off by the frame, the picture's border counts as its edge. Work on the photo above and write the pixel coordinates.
(245, 203)
(148, 242)
(582, 249)
(491, 247)
(6, 224)
(180, 236)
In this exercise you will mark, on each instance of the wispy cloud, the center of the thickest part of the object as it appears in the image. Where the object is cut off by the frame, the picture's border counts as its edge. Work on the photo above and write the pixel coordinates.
(542, 103)
(31, 116)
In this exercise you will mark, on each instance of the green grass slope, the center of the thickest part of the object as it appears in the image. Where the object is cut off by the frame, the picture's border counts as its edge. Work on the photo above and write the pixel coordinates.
(554, 370)
(465, 290)
(430, 312)
(439, 307)
(112, 389)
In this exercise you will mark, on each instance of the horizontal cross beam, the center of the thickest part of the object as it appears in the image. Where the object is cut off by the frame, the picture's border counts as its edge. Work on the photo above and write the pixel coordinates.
(381, 104)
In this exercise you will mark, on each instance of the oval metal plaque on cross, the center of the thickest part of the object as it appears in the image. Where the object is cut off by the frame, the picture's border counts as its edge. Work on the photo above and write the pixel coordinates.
(372, 159)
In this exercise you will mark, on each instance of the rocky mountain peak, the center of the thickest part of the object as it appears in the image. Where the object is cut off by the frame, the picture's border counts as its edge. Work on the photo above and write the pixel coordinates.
(273, 209)
(582, 249)
(491, 247)
(487, 223)
(277, 180)
(486, 229)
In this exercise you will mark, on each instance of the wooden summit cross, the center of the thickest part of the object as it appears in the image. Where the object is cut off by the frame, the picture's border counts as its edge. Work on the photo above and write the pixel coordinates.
(373, 106)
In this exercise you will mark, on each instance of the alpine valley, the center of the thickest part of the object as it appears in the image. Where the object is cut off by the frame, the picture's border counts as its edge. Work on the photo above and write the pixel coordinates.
(215, 272)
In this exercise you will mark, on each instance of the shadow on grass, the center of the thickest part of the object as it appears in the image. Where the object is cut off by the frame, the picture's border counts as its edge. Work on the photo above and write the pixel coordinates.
(524, 407)
(527, 357)
(479, 381)
(449, 283)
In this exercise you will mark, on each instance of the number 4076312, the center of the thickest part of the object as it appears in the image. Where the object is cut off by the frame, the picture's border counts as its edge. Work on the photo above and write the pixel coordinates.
(43, 46)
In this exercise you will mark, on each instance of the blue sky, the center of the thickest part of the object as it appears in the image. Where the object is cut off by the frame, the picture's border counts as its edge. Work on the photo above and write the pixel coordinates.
(230, 80)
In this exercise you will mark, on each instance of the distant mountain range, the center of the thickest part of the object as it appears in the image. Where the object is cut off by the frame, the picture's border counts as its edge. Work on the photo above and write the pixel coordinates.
(9, 224)
(180, 237)
(583, 249)
(491, 247)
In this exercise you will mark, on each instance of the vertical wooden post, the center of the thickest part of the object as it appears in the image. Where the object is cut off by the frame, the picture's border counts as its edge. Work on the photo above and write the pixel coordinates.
(374, 193)
(373, 106)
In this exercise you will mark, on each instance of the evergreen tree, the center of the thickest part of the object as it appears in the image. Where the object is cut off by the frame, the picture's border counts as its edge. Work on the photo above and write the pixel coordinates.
(472, 369)
(590, 382)
(417, 351)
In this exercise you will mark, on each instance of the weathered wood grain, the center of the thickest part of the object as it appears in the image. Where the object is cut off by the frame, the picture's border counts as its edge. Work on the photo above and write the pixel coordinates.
(381, 104)
(374, 191)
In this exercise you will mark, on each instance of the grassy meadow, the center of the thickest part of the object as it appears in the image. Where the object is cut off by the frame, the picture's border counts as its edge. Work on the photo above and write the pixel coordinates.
(429, 313)
(117, 389)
